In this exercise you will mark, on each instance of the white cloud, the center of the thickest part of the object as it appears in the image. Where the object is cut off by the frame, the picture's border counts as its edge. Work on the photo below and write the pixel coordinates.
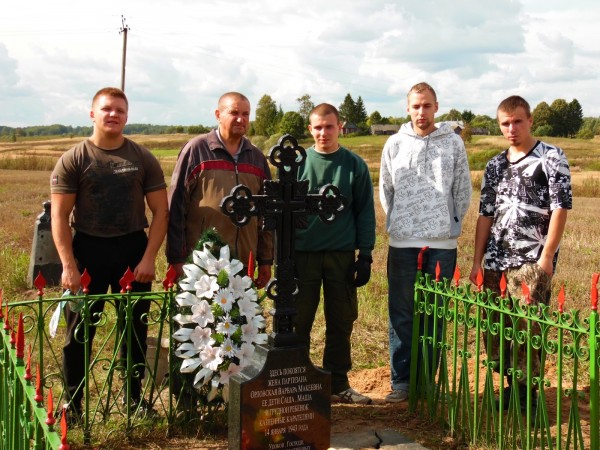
(182, 55)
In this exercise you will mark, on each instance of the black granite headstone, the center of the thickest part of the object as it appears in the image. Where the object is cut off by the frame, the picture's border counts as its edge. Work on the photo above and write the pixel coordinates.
(285, 404)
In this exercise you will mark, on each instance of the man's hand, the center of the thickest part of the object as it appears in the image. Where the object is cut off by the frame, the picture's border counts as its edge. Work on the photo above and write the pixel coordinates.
(178, 269)
(360, 271)
(264, 275)
(145, 271)
(545, 262)
(474, 272)
(71, 278)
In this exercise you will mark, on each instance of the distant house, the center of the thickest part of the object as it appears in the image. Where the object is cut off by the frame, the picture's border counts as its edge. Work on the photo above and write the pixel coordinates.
(348, 127)
(480, 131)
(456, 125)
(385, 130)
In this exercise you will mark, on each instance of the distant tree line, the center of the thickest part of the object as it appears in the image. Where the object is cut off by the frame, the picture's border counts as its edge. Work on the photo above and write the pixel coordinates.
(557, 119)
(10, 133)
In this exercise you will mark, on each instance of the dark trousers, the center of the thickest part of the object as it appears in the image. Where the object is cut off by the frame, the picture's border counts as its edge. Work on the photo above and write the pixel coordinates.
(106, 260)
(329, 269)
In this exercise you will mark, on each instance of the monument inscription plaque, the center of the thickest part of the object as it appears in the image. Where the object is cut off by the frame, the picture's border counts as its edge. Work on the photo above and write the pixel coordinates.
(281, 400)
(285, 406)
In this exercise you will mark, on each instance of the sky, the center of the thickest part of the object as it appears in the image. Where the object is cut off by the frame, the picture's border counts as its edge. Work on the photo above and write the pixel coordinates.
(183, 54)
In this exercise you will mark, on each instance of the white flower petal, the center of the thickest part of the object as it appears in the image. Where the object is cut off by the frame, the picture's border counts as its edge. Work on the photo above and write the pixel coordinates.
(182, 319)
(186, 299)
(189, 365)
(192, 271)
(183, 334)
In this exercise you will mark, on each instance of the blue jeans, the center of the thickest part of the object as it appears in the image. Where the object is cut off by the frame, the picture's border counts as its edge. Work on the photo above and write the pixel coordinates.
(402, 272)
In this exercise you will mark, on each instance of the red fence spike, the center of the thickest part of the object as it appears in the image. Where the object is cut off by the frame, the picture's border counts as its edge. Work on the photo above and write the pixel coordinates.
(479, 280)
(40, 283)
(85, 281)
(126, 280)
(561, 299)
(38, 386)
(170, 277)
(456, 276)
(503, 285)
(525, 290)
(20, 338)
(438, 271)
(251, 266)
(50, 420)
(64, 445)
(595, 278)
(420, 258)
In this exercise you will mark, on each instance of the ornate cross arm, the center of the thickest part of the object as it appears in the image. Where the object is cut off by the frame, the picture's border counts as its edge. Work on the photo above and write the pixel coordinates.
(284, 207)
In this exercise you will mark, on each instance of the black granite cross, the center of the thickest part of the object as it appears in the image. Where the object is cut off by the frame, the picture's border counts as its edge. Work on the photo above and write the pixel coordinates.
(284, 206)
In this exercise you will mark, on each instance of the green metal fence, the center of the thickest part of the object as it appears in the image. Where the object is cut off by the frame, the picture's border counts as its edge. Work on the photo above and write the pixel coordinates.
(31, 380)
(454, 382)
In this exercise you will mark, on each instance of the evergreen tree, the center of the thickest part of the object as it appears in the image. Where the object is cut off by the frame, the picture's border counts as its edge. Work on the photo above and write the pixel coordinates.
(559, 117)
(347, 110)
(574, 117)
(360, 112)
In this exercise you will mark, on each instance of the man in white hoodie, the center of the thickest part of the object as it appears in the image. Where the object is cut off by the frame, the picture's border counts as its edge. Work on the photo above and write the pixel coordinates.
(425, 191)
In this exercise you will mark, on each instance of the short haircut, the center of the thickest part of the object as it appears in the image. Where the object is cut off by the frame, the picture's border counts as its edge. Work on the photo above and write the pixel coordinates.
(510, 104)
(324, 109)
(111, 92)
(421, 87)
(234, 95)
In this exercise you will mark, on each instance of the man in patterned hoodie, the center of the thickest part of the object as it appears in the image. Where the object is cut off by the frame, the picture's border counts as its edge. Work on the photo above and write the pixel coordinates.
(425, 191)
(525, 195)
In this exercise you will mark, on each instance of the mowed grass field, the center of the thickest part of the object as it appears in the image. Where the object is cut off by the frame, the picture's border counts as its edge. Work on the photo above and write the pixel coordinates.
(25, 168)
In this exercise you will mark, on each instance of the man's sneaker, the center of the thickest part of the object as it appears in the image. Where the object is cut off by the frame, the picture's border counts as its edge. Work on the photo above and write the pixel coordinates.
(397, 396)
(350, 396)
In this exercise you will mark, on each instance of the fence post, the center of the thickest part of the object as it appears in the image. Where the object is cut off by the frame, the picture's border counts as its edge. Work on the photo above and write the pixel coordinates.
(594, 380)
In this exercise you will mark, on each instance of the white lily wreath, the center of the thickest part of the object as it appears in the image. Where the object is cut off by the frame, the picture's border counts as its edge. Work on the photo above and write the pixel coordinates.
(225, 310)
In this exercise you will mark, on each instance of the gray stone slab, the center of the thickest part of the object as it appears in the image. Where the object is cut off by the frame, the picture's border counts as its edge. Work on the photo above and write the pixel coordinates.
(379, 439)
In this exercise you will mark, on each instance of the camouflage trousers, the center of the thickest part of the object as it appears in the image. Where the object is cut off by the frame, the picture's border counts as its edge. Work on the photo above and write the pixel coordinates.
(540, 287)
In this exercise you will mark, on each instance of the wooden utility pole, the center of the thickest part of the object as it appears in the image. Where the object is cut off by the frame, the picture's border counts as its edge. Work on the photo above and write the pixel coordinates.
(124, 29)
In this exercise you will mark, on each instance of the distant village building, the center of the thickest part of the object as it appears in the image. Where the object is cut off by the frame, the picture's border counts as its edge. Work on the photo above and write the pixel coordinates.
(456, 125)
(386, 130)
(480, 131)
(349, 127)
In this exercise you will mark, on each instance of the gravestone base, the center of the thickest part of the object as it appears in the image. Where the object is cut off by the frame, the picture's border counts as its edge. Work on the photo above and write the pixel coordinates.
(280, 401)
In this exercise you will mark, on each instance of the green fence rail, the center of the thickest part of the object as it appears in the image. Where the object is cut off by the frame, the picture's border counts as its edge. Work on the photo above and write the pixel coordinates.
(454, 382)
(31, 381)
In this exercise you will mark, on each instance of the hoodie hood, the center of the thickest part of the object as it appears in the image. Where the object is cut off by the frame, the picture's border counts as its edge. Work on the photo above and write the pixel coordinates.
(442, 129)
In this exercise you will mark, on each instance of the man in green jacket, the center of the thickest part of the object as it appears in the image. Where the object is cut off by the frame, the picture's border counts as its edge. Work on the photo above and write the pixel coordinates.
(326, 253)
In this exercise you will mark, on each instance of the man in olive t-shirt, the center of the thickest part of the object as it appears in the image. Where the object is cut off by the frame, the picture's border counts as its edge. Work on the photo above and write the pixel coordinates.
(99, 188)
